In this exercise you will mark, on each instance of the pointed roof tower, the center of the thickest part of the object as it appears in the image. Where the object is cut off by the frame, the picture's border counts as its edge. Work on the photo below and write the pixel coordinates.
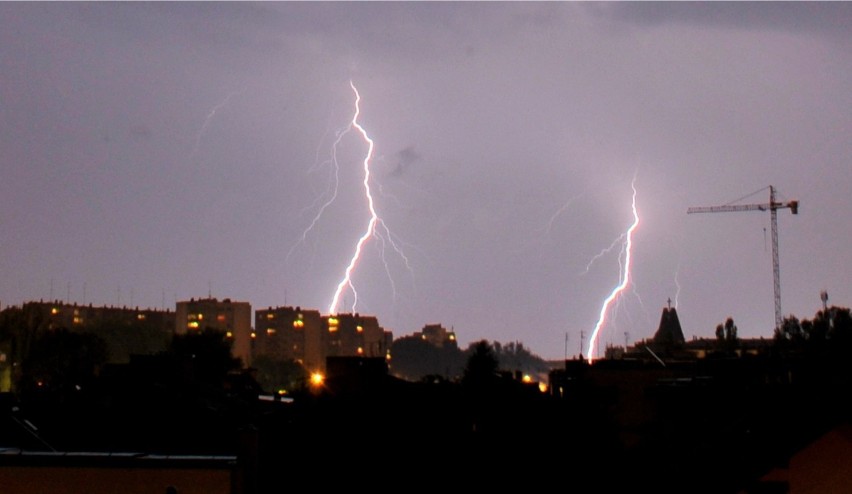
(669, 334)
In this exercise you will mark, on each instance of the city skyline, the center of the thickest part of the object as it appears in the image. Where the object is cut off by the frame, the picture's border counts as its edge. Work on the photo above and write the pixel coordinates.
(156, 152)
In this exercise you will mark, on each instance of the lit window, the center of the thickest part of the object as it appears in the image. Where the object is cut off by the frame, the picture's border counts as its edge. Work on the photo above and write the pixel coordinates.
(298, 323)
(360, 351)
(78, 320)
(359, 328)
(270, 315)
(191, 317)
(54, 311)
(200, 316)
(527, 378)
(317, 379)
(220, 318)
(229, 334)
(270, 331)
(253, 335)
(192, 325)
(452, 337)
(140, 317)
(332, 324)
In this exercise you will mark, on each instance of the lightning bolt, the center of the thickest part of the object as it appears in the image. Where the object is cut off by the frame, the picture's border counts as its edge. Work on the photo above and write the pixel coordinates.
(375, 226)
(605, 251)
(209, 117)
(677, 284)
(625, 276)
(334, 188)
(560, 211)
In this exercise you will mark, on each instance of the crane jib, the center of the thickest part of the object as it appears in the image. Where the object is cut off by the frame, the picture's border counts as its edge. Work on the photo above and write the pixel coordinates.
(772, 206)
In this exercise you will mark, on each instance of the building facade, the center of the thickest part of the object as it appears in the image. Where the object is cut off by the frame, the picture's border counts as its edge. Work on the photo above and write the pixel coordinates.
(291, 333)
(125, 330)
(355, 335)
(231, 318)
(438, 336)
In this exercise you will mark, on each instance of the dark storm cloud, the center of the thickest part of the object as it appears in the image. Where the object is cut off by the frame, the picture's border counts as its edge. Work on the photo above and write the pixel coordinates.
(817, 17)
(402, 160)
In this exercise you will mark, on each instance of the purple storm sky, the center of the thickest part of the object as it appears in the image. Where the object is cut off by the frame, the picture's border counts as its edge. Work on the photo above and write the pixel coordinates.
(154, 152)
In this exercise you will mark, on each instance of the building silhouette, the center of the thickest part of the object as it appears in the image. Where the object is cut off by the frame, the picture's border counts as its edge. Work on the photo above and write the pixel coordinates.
(291, 333)
(355, 335)
(229, 317)
(122, 327)
(41, 316)
(303, 335)
(438, 336)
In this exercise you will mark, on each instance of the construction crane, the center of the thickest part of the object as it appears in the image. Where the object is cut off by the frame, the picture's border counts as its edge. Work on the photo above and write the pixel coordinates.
(772, 206)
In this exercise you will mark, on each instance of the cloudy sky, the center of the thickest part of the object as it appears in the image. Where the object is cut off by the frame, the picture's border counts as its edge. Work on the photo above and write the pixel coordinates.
(154, 152)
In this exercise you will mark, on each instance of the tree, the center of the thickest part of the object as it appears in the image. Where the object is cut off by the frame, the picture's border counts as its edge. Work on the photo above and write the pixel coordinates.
(726, 335)
(514, 356)
(841, 325)
(204, 356)
(279, 374)
(62, 362)
(414, 358)
(730, 329)
(124, 339)
(790, 330)
(481, 364)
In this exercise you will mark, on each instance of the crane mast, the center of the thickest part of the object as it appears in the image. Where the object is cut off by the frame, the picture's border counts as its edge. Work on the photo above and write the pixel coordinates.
(772, 206)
